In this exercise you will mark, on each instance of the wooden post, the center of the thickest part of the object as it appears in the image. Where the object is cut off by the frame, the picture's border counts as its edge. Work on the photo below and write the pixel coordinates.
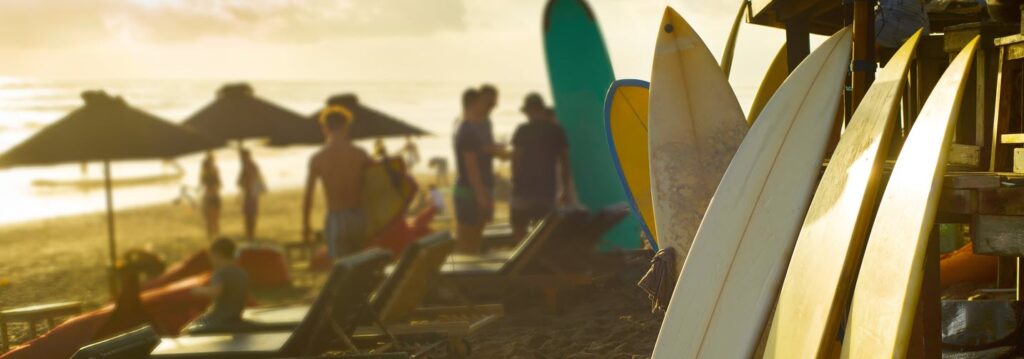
(798, 42)
(112, 243)
(863, 48)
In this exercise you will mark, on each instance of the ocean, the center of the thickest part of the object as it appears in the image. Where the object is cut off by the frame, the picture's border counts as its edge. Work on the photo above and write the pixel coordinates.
(26, 106)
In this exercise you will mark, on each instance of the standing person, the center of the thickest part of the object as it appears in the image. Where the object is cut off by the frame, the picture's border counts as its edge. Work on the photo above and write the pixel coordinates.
(228, 290)
(252, 186)
(489, 95)
(474, 183)
(440, 166)
(340, 166)
(539, 157)
(209, 181)
(411, 152)
(380, 151)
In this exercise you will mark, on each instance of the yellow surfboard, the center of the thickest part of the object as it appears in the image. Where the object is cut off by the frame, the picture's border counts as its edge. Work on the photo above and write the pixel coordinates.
(625, 115)
(889, 282)
(814, 293)
(387, 192)
(730, 44)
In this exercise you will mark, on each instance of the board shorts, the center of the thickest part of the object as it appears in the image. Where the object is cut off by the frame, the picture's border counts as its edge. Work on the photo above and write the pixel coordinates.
(522, 211)
(467, 211)
(344, 232)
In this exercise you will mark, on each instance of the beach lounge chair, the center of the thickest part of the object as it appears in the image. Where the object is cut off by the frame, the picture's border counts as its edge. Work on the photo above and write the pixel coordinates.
(130, 345)
(575, 240)
(396, 302)
(537, 262)
(329, 323)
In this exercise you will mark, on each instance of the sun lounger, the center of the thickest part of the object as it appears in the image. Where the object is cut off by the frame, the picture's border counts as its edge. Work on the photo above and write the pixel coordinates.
(537, 261)
(396, 302)
(579, 253)
(573, 246)
(133, 344)
(328, 324)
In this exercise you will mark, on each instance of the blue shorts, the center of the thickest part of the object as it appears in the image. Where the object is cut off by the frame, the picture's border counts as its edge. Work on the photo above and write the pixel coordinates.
(344, 232)
(467, 211)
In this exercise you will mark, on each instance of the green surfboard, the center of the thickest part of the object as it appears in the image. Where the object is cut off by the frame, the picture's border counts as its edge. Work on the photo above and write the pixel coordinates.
(580, 73)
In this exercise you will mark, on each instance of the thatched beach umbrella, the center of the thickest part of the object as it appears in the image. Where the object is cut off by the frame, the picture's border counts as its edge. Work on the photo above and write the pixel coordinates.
(105, 129)
(237, 114)
(368, 123)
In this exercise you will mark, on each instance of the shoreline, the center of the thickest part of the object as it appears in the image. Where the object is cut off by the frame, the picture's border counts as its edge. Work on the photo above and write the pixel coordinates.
(230, 198)
(64, 258)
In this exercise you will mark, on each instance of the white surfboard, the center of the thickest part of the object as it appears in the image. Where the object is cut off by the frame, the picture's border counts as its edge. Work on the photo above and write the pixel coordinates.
(814, 294)
(695, 125)
(732, 275)
(889, 282)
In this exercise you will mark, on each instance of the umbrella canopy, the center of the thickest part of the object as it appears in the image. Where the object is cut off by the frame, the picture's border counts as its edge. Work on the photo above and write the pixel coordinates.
(368, 123)
(238, 114)
(105, 129)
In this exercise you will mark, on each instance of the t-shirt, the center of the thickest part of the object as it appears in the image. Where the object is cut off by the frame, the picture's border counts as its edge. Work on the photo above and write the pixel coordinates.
(227, 307)
(538, 145)
(474, 137)
(897, 20)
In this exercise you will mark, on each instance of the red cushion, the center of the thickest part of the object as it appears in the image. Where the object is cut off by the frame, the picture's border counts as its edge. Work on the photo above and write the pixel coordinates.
(171, 307)
(266, 266)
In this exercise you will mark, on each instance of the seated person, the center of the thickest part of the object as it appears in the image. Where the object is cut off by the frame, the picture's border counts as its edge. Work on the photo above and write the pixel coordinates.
(228, 290)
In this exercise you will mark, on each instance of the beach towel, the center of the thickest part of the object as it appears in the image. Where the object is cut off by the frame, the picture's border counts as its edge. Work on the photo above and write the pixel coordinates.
(660, 279)
(963, 266)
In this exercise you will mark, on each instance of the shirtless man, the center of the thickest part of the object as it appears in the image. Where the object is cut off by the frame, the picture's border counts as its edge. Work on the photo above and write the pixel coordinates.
(341, 167)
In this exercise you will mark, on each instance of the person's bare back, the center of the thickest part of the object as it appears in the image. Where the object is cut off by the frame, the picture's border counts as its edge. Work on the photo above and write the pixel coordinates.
(341, 168)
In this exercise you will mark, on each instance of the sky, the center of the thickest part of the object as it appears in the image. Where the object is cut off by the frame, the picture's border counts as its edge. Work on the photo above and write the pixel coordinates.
(387, 40)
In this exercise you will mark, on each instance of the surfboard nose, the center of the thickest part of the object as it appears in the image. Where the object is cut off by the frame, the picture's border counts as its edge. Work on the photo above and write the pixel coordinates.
(675, 34)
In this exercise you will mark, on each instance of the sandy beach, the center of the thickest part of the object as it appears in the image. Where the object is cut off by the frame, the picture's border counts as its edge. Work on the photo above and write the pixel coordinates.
(63, 259)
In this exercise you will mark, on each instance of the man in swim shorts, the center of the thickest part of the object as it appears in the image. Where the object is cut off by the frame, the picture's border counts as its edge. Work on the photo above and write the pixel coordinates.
(340, 166)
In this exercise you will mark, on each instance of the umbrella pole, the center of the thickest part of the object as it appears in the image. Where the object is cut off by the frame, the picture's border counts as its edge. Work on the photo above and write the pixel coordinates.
(110, 228)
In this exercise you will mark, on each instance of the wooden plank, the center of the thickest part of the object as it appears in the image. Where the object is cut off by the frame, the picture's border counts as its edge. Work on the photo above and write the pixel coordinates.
(958, 201)
(1005, 201)
(1018, 160)
(1015, 52)
(757, 6)
(1009, 40)
(999, 235)
(964, 155)
(1004, 99)
(971, 180)
(1012, 138)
